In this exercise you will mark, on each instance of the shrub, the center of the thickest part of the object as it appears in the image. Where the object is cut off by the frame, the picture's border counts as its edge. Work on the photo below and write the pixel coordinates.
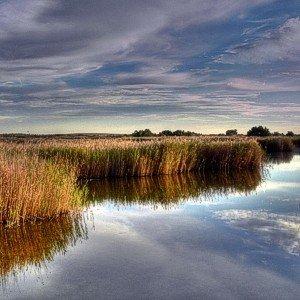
(231, 132)
(259, 131)
(290, 133)
(143, 133)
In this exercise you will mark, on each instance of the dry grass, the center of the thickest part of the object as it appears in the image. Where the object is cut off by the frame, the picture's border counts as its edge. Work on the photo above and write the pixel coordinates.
(39, 180)
(130, 158)
(32, 188)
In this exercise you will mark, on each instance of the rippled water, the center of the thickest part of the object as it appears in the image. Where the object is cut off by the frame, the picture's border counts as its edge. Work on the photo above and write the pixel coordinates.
(213, 236)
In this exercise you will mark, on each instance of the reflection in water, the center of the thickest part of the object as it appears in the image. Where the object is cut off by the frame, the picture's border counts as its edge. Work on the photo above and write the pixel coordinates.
(281, 157)
(235, 248)
(36, 243)
(274, 228)
(32, 244)
(167, 190)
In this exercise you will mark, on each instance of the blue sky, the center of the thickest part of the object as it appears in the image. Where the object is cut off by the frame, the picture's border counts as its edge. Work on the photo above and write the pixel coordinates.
(116, 66)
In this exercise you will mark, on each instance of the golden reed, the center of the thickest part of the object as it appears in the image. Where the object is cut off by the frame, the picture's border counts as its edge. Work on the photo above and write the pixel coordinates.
(39, 180)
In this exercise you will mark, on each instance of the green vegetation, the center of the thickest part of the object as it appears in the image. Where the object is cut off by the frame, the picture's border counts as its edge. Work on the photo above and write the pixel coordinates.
(177, 133)
(149, 133)
(259, 131)
(143, 133)
(157, 158)
(231, 132)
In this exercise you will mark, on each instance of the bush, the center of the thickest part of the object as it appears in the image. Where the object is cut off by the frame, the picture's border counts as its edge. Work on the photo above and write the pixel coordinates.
(231, 132)
(177, 132)
(259, 131)
(290, 133)
(166, 133)
(143, 133)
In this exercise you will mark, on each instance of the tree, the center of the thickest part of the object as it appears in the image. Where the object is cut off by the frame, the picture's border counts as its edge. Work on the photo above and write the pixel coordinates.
(143, 133)
(166, 133)
(259, 131)
(276, 133)
(231, 132)
(290, 133)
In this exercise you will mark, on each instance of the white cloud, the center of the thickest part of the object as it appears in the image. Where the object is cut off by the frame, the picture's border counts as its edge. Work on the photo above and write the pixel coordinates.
(283, 230)
(282, 44)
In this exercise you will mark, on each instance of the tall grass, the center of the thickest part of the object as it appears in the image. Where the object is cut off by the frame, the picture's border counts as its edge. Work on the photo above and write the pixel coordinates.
(32, 188)
(39, 180)
(157, 158)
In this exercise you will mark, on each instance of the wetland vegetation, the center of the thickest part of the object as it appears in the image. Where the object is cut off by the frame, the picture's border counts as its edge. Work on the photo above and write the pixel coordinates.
(39, 177)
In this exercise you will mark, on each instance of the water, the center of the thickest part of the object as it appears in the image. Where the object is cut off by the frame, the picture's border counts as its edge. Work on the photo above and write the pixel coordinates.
(223, 237)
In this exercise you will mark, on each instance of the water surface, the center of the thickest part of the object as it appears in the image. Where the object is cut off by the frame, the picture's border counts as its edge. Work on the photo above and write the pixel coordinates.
(172, 237)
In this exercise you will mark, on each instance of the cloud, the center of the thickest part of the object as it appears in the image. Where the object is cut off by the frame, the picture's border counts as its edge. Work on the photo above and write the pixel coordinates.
(75, 36)
(282, 230)
(263, 86)
(280, 44)
(64, 59)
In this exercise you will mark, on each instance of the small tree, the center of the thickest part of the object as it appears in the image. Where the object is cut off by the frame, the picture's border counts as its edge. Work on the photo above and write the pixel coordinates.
(143, 133)
(231, 132)
(290, 133)
(166, 133)
(259, 131)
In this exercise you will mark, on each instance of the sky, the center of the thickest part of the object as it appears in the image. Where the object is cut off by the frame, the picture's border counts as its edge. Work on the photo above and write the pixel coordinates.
(116, 66)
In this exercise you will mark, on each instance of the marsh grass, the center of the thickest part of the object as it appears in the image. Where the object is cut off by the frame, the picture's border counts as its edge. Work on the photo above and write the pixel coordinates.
(39, 180)
(156, 158)
(32, 188)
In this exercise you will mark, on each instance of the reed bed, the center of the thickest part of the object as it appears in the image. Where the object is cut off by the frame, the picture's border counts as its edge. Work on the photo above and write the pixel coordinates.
(32, 188)
(39, 180)
(149, 158)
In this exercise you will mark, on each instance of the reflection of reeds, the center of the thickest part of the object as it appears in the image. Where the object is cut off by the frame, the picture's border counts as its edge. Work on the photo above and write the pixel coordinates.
(172, 189)
(279, 158)
(276, 144)
(32, 244)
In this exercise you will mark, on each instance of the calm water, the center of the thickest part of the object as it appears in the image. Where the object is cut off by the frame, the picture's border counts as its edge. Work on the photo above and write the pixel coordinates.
(172, 237)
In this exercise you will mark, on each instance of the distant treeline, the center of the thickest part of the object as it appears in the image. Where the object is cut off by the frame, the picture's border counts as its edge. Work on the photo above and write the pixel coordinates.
(254, 131)
(149, 133)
